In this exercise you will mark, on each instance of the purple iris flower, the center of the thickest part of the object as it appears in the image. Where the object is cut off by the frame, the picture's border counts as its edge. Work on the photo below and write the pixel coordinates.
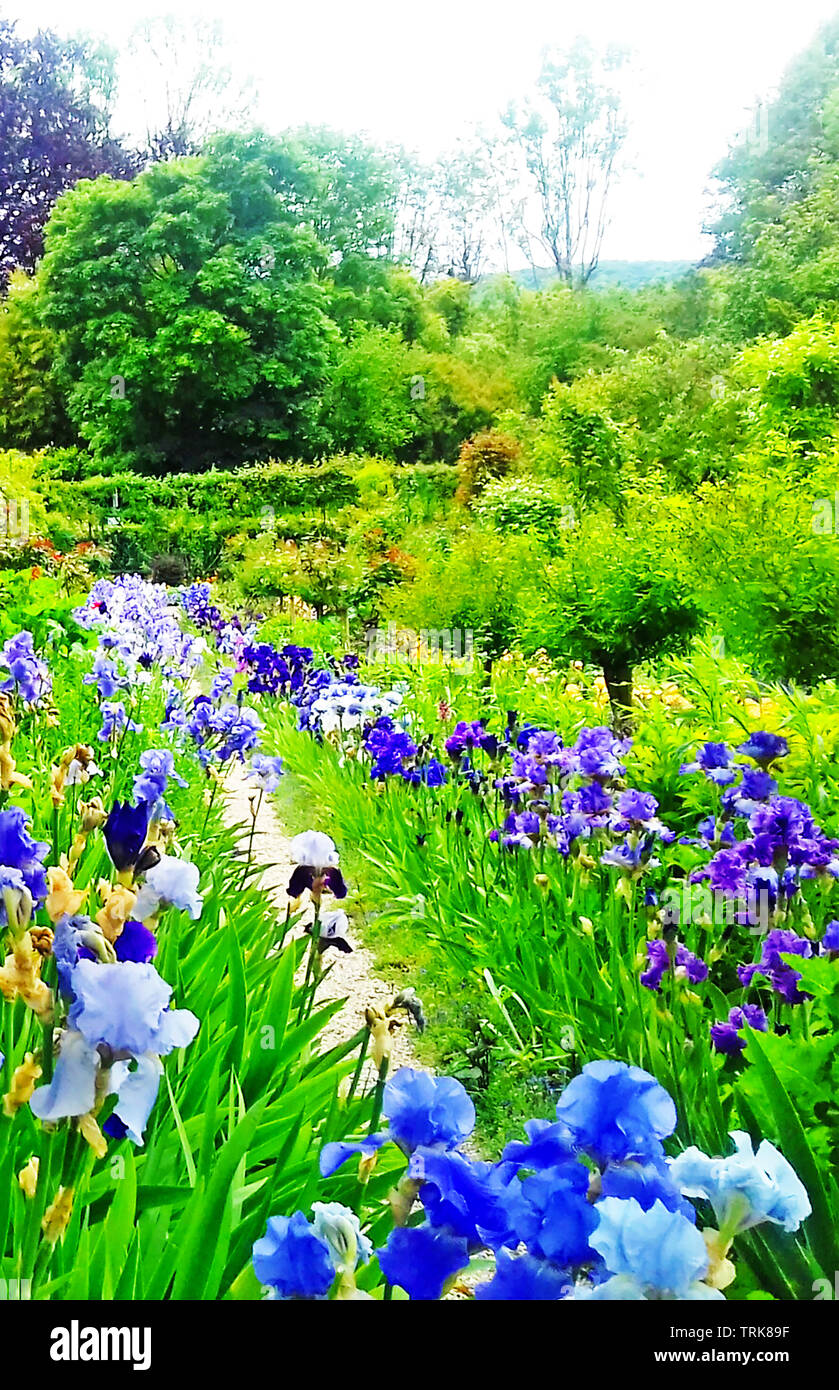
(764, 748)
(20, 852)
(28, 675)
(754, 787)
(114, 719)
(465, 736)
(783, 979)
(714, 761)
(659, 963)
(136, 943)
(726, 1037)
(598, 753)
(830, 939)
(630, 858)
(158, 767)
(125, 833)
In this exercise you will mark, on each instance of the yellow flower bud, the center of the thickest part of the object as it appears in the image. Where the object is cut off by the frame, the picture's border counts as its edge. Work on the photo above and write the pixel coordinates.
(21, 976)
(721, 1271)
(57, 1215)
(90, 1131)
(23, 1084)
(28, 1177)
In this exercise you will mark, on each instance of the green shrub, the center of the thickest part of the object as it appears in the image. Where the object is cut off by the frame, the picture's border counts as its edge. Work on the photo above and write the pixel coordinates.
(524, 503)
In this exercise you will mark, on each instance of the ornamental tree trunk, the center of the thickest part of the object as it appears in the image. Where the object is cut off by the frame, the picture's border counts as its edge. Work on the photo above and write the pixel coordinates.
(617, 673)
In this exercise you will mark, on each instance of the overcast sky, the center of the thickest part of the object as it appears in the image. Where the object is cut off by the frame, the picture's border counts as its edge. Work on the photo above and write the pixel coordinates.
(422, 73)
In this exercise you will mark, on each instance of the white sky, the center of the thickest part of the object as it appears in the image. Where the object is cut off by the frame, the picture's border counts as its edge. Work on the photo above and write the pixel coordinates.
(423, 73)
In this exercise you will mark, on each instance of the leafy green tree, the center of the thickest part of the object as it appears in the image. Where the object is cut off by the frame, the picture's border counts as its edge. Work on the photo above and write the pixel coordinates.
(380, 294)
(764, 553)
(616, 595)
(579, 443)
(340, 186)
(472, 586)
(189, 324)
(368, 405)
(523, 504)
(792, 269)
(779, 159)
(31, 405)
(794, 388)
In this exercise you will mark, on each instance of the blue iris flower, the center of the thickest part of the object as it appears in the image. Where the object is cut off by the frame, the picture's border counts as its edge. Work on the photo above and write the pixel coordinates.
(19, 851)
(422, 1260)
(523, 1280)
(433, 1112)
(551, 1213)
(764, 747)
(654, 1254)
(72, 1089)
(291, 1260)
(747, 1188)
(126, 1006)
(616, 1112)
(427, 1110)
(136, 1090)
(464, 1195)
(648, 1181)
(333, 1155)
(548, 1145)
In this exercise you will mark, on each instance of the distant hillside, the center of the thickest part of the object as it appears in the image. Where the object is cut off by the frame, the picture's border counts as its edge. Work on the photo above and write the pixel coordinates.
(631, 274)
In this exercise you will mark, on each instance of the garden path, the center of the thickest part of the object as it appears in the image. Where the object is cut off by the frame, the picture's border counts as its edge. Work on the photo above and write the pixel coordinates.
(352, 975)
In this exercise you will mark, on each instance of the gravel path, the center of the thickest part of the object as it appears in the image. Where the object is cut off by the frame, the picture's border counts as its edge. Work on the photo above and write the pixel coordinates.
(352, 975)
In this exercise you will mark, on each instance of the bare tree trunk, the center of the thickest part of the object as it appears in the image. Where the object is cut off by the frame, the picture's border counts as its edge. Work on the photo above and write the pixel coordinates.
(617, 673)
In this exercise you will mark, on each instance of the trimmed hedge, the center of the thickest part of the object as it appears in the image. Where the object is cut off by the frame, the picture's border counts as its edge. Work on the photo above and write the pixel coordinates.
(192, 515)
(242, 492)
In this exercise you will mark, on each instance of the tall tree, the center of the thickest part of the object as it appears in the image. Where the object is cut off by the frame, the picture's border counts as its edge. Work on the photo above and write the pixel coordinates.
(416, 232)
(569, 141)
(54, 130)
(187, 89)
(467, 197)
(339, 186)
(782, 155)
(189, 324)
